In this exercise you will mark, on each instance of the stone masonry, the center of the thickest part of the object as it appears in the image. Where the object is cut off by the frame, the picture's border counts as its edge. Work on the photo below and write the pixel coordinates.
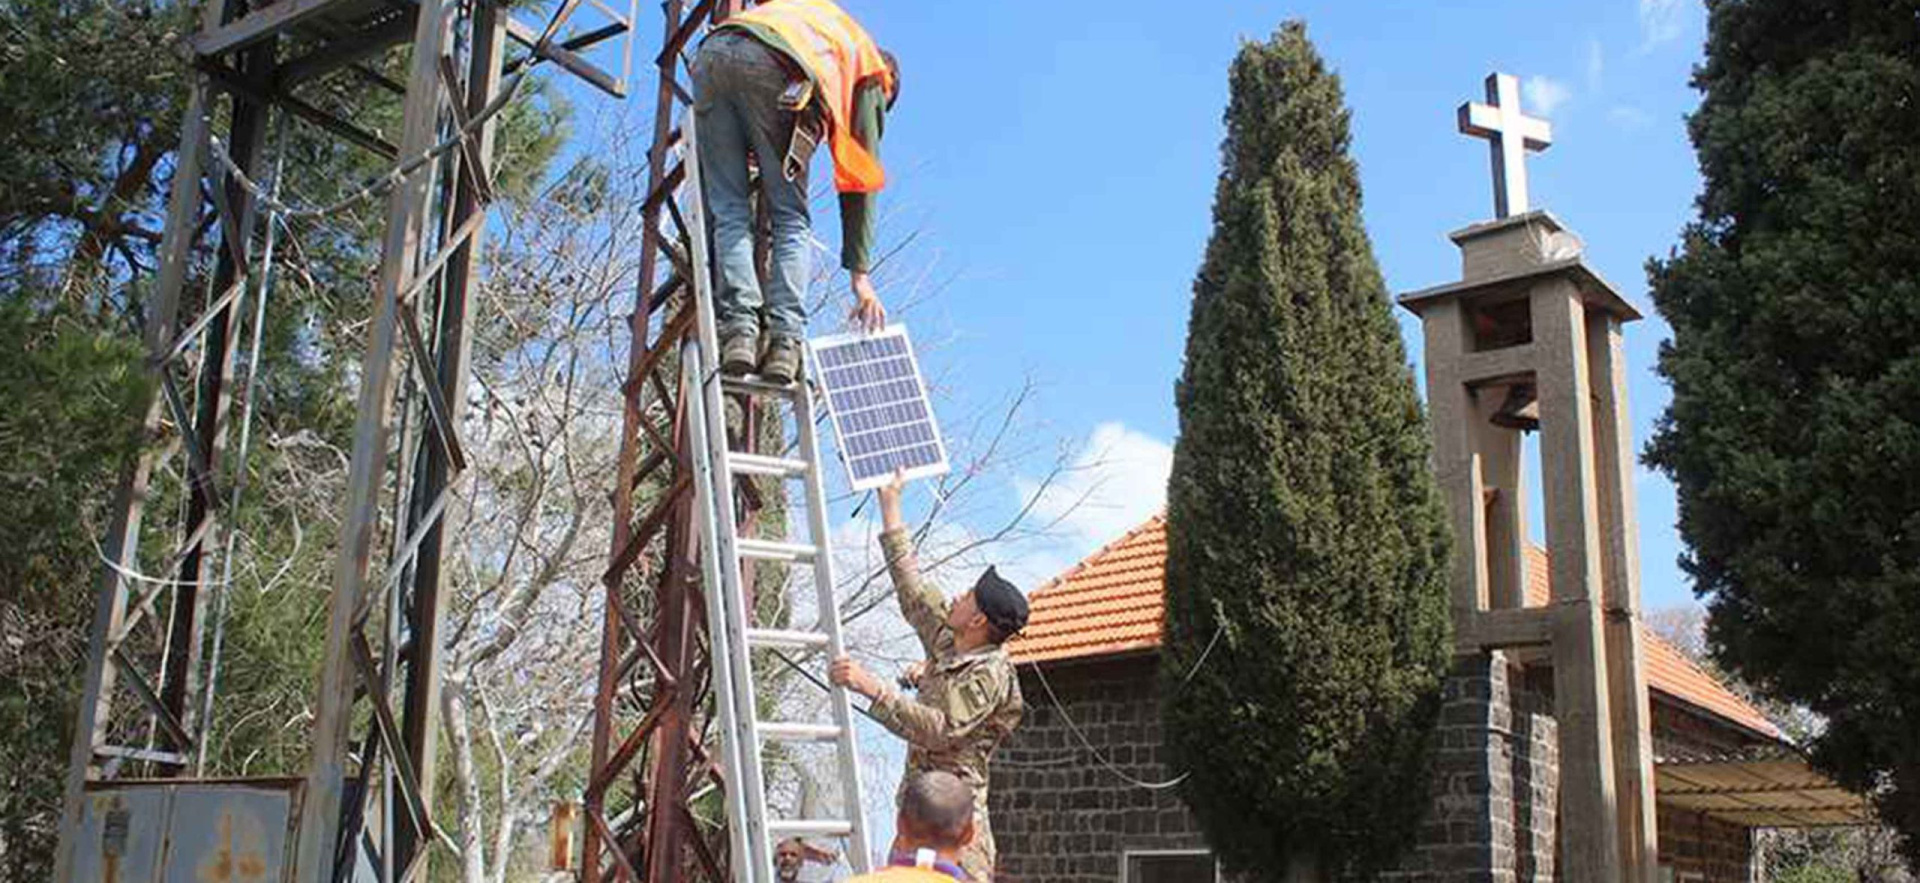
(1059, 816)
(1496, 772)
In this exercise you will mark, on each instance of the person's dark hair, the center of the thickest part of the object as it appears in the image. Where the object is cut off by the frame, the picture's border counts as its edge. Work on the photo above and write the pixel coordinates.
(935, 810)
(893, 67)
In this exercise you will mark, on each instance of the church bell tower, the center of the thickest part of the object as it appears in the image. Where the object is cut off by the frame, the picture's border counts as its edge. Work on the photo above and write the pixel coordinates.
(1530, 341)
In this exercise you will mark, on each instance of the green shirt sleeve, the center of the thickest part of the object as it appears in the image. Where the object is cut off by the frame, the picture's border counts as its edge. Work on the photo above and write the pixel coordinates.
(857, 209)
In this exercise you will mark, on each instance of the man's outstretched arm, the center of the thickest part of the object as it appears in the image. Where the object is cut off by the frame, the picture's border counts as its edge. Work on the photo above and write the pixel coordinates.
(922, 605)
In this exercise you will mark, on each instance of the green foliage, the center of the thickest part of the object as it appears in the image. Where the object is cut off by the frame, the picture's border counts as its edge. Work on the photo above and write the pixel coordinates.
(1815, 874)
(73, 397)
(1794, 433)
(1303, 520)
(1820, 855)
(91, 106)
(92, 97)
(92, 102)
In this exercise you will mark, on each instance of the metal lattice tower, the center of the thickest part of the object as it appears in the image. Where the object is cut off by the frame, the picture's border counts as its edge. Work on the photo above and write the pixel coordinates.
(148, 687)
(649, 758)
(705, 475)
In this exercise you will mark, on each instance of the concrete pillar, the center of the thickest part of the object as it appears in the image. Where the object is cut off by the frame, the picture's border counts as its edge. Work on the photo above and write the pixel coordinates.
(1456, 462)
(1503, 501)
(1620, 578)
(1590, 825)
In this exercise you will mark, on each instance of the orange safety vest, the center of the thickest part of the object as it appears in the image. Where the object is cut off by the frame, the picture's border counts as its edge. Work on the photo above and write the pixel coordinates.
(838, 54)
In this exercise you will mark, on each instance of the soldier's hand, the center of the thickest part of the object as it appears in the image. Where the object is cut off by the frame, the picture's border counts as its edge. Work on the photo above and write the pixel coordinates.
(847, 673)
(889, 495)
(910, 679)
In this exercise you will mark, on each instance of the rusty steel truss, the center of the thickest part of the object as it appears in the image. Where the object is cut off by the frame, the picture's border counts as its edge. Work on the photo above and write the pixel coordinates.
(652, 711)
(149, 688)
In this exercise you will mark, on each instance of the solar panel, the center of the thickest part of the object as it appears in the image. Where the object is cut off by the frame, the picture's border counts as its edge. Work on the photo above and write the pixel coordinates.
(879, 405)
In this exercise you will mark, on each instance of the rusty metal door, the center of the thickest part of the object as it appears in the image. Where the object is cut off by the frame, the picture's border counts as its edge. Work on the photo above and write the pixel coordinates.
(174, 831)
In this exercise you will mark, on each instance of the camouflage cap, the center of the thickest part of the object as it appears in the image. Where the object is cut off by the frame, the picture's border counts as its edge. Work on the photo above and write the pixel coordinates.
(1001, 602)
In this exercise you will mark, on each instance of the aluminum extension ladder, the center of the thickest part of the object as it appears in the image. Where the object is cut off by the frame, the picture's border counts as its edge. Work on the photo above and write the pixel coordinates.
(733, 634)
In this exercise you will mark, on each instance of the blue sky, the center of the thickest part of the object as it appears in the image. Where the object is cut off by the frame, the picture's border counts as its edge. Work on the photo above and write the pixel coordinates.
(1054, 165)
(1058, 161)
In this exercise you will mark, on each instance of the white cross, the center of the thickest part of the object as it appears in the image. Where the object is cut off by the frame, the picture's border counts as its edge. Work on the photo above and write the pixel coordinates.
(1511, 134)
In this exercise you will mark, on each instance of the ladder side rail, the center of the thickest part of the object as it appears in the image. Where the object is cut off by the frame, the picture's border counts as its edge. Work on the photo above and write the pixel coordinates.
(721, 645)
(713, 484)
(859, 853)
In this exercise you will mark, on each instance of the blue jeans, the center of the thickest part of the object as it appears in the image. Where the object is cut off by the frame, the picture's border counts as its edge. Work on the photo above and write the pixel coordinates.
(737, 82)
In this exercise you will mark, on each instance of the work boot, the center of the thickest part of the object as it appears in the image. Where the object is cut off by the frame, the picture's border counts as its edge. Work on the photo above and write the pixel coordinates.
(738, 352)
(782, 361)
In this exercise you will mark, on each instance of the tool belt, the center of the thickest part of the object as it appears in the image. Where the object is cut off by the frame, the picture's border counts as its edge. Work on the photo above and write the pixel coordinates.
(806, 121)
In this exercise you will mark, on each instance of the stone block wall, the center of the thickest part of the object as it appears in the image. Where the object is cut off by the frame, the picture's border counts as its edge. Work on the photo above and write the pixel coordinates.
(1496, 776)
(1701, 850)
(1059, 816)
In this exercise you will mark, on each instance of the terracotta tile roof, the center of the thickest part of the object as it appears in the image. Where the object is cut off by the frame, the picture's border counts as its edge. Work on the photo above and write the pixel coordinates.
(1669, 671)
(1108, 603)
(1111, 602)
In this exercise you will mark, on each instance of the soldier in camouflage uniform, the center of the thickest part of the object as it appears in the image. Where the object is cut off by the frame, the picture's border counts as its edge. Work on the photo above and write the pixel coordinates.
(969, 696)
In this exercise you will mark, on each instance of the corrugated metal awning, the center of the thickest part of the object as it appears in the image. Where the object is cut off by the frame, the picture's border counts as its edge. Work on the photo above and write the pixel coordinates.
(1771, 787)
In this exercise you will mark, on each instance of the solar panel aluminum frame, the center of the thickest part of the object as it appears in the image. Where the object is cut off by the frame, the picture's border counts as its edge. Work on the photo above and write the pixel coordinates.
(816, 367)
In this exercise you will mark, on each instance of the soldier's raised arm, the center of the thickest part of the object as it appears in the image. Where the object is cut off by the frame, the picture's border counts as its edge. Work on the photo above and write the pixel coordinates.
(923, 606)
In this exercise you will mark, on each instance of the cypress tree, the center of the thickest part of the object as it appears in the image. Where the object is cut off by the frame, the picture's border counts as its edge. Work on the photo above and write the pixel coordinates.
(1793, 437)
(1304, 527)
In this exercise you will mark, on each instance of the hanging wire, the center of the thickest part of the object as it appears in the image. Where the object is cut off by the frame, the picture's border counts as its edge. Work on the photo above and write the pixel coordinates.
(129, 573)
(384, 181)
(1104, 761)
(1086, 744)
(237, 495)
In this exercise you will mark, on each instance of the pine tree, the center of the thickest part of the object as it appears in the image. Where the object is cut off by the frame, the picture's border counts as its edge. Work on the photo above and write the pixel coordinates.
(1304, 526)
(1794, 433)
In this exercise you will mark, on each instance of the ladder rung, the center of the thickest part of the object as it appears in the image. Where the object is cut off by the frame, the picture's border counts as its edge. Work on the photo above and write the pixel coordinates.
(784, 828)
(785, 639)
(771, 550)
(753, 385)
(761, 464)
(792, 732)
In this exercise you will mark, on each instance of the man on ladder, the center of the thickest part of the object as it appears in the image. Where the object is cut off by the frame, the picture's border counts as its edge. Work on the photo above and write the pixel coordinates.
(969, 695)
(769, 84)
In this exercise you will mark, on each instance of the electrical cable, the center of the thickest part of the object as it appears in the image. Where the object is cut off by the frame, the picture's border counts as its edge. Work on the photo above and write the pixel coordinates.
(236, 494)
(1086, 744)
(384, 181)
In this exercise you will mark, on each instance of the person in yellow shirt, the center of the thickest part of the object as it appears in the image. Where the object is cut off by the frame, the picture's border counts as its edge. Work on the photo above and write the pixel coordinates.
(934, 825)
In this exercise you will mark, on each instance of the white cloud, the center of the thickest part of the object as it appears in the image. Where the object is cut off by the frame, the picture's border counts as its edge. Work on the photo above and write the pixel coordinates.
(1543, 94)
(1628, 117)
(1596, 66)
(1115, 481)
(1660, 21)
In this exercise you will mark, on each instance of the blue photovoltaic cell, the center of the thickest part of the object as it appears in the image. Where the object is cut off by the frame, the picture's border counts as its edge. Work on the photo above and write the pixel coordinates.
(878, 405)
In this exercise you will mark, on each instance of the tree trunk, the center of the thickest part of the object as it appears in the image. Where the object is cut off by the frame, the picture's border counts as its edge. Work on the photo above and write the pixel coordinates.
(473, 859)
